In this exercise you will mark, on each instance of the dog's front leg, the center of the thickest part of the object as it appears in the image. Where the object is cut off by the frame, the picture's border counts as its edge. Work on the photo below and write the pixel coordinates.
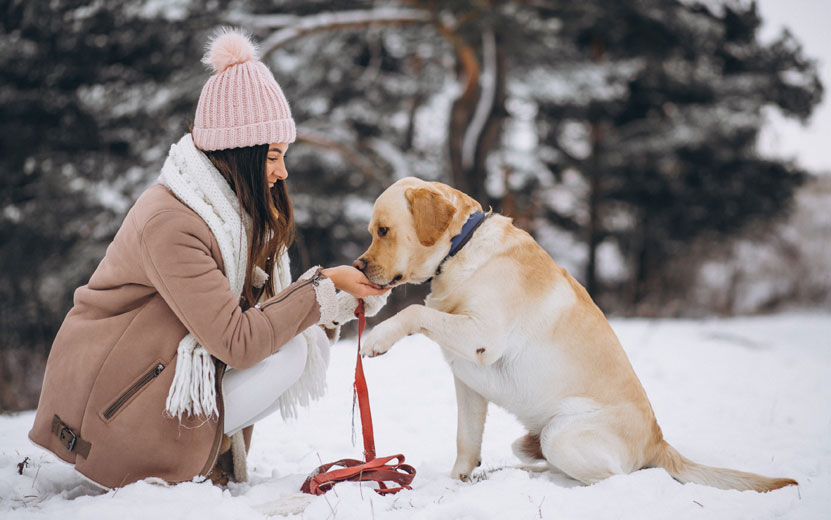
(384, 335)
(468, 338)
(472, 409)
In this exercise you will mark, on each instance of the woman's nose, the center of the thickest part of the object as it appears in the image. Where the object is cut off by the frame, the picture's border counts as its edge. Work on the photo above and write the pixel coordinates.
(275, 176)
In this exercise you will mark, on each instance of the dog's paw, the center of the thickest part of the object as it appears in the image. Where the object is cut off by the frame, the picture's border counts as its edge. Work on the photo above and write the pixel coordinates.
(463, 469)
(381, 338)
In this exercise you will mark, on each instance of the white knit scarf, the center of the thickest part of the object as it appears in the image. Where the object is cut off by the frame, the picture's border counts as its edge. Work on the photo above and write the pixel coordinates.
(191, 176)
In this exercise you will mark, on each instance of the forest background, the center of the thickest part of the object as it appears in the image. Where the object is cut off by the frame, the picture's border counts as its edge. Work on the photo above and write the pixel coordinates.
(624, 136)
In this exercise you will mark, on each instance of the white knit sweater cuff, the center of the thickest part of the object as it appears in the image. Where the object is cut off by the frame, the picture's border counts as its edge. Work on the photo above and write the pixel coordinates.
(324, 293)
(346, 309)
(348, 303)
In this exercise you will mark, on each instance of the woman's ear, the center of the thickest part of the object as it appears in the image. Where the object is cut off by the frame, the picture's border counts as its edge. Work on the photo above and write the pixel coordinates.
(432, 214)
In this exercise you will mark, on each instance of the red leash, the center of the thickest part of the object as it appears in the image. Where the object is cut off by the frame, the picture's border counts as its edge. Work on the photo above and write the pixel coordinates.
(378, 470)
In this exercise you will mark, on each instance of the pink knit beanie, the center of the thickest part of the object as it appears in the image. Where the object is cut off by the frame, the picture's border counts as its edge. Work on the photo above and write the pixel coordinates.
(241, 104)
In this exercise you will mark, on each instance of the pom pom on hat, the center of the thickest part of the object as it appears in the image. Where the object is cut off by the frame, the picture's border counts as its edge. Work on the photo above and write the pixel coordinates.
(228, 47)
(241, 103)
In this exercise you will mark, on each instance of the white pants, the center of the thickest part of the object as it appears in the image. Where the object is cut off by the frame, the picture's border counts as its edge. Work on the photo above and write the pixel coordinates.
(251, 394)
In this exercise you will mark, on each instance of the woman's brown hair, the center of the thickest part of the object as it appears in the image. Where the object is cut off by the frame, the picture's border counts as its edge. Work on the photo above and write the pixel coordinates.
(272, 216)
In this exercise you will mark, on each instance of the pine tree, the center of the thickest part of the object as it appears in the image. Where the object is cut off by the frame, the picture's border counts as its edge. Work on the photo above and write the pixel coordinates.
(92, 95)
(660, 121)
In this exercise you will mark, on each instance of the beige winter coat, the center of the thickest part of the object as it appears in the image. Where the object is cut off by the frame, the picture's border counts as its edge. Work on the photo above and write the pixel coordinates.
(112, 362)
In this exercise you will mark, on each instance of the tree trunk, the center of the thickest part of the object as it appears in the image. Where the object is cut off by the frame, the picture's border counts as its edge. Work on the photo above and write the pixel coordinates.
(594, 231)
(462, 111)
(640, 265)
(476, 116)
(492, 131)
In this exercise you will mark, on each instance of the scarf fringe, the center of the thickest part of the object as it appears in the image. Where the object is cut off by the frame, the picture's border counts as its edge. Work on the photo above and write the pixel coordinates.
(310, 386)
(193, 389)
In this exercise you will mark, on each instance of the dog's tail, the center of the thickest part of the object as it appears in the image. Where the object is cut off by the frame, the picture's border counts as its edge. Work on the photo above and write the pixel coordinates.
(685, 470)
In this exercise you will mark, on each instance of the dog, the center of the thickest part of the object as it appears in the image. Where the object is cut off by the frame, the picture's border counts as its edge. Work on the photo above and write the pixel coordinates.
(518, 331)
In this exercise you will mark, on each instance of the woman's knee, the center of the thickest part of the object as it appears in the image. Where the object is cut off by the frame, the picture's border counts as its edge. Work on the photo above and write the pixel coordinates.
(251, 392)
(271, 375)
(292, 355)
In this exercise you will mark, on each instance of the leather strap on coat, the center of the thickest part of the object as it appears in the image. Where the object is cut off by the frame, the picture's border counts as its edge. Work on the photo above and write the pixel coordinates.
(70, 439)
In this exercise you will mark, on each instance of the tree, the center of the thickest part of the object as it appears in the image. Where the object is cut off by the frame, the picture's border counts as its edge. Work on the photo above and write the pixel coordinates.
(660, 121)
(88, 91)
(624, 126)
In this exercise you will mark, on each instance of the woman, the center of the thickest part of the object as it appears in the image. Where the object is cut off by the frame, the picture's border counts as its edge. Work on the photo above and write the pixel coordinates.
(180, 340)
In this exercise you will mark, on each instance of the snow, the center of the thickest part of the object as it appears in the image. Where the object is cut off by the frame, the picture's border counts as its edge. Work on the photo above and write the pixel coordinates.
(174, 10)
(745, 393)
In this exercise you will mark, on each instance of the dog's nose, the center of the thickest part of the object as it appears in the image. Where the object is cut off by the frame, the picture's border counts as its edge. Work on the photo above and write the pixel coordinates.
(359, 264)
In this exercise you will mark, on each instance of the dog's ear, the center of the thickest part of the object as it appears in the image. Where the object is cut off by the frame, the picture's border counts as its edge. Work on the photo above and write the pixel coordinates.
(432, 214)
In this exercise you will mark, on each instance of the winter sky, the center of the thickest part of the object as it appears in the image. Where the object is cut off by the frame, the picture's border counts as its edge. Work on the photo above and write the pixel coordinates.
(809, 143)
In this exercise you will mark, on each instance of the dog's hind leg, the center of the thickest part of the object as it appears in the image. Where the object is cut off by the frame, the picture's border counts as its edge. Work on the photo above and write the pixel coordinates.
(586, 447)
(472, 409)
(527, 448)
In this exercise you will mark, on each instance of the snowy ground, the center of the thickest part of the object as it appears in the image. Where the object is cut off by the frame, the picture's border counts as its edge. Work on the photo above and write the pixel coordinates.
(751, 394)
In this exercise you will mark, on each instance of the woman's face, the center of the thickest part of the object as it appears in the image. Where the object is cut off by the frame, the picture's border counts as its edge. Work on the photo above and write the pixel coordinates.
(275, 163)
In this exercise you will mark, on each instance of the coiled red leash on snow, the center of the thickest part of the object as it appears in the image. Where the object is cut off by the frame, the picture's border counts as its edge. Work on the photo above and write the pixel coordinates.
(378, 470)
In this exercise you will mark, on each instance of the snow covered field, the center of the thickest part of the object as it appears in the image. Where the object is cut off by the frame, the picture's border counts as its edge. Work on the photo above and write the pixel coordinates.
(750, 393)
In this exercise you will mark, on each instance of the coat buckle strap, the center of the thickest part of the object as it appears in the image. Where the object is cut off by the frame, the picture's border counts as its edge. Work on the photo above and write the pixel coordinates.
(69, 439)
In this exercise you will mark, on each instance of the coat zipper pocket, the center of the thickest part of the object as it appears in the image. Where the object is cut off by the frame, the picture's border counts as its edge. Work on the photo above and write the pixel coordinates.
(138, 385)
(296, 288)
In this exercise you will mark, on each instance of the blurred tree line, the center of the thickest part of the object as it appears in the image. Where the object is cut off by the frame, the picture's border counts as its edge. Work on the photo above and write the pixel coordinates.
(621, 134)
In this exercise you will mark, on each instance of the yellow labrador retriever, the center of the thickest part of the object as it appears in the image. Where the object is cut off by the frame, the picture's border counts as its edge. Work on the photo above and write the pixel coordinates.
(520, 332)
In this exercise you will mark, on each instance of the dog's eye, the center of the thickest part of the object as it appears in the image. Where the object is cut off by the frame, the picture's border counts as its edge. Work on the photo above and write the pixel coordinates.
(382, 231)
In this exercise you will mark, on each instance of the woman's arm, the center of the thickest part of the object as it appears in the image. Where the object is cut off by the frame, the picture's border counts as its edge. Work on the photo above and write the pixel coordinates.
(176, 254)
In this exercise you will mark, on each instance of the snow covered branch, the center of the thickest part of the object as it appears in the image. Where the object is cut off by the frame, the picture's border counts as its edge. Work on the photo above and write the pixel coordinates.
(323, 22)
(262, 21)
(486, 100)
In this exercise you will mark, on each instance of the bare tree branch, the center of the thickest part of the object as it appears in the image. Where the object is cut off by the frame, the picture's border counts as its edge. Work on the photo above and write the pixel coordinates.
(343, 20)
(349, 154)
(262, 21)
(571, 159)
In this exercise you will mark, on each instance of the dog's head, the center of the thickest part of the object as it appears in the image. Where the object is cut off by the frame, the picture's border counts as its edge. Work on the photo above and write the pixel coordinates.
(411, 227)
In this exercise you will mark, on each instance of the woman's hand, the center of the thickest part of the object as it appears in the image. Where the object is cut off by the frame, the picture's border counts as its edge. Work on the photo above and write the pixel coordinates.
(347, 278)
